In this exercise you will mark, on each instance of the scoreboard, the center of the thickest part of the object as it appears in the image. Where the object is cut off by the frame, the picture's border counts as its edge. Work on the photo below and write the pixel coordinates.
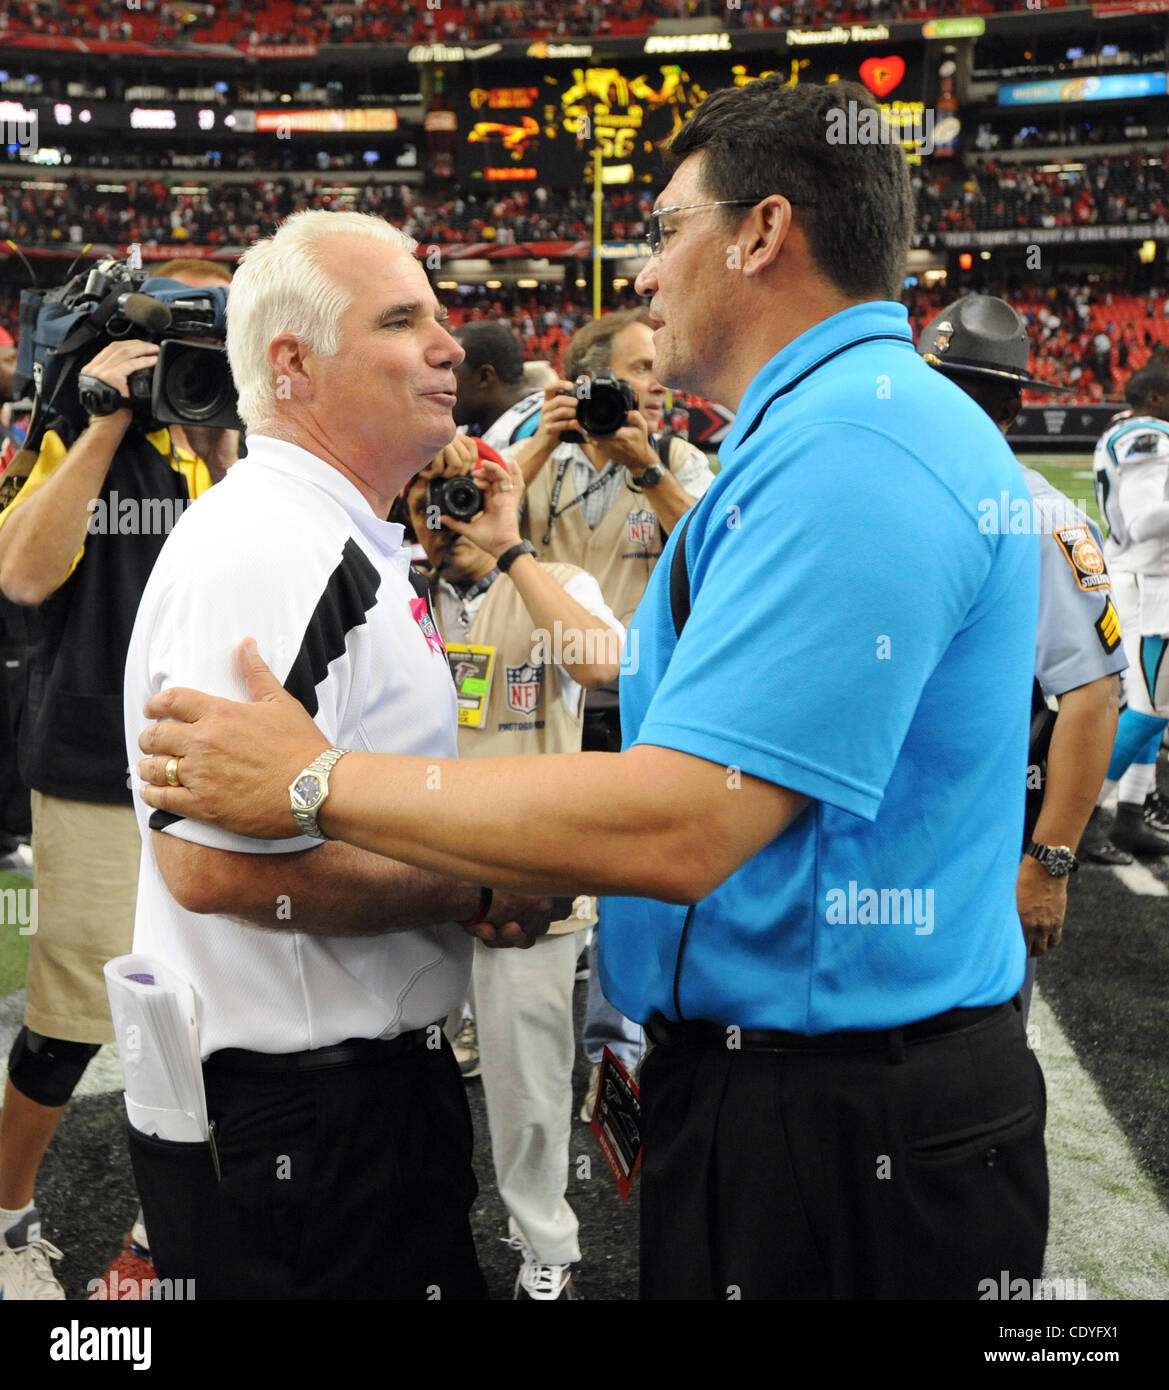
(544, 128)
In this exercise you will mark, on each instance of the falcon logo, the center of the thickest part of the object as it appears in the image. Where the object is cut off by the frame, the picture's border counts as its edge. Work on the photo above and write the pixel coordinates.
(1083, 554)
(1108, 628)
(641, 527)
(523, 687)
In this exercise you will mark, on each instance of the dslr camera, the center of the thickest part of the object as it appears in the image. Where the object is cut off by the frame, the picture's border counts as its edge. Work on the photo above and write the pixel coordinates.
(603, 401)
(62, 329)
(459, 497)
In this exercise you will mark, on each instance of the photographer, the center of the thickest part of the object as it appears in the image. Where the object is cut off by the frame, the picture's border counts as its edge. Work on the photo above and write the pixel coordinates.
(606, 504)
(524, 641)
(78, 540)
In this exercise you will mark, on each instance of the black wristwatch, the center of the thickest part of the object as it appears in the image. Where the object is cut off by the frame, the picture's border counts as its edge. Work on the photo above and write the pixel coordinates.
(99, 398)
(509, 557)
(650, 478)
(1058, 860)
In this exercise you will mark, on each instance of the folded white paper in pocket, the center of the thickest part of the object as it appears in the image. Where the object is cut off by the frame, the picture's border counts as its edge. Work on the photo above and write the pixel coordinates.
(153, 1009)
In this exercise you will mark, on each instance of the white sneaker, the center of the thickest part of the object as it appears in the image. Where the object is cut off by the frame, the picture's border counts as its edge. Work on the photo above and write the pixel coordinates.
(25, 1271)
(544, 1283)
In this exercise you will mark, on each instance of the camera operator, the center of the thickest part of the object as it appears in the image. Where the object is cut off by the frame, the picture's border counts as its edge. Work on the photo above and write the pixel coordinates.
(77, 544)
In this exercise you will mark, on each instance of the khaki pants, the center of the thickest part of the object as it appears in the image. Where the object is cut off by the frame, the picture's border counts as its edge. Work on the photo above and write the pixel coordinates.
(86, 875)
(522, 1002)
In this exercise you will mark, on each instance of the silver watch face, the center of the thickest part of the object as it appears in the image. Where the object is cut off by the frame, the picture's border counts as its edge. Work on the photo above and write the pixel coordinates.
(307, 790)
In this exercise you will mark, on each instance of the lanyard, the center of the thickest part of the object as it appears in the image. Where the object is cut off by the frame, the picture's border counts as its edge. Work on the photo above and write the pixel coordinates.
(561, 470)
(467, 594)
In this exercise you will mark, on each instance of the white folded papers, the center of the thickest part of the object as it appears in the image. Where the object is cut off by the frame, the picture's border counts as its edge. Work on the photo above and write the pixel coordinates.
(153, 1010)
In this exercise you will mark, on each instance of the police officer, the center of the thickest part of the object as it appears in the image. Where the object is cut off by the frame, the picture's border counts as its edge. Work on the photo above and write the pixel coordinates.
(980, 343)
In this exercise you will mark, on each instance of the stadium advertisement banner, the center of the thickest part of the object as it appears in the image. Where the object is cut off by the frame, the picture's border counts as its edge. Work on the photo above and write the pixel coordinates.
(551, 121)
(1068, 90)
(1055, 236)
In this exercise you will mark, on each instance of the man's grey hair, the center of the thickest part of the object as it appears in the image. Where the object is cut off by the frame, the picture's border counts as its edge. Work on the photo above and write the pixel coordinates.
(281, 287)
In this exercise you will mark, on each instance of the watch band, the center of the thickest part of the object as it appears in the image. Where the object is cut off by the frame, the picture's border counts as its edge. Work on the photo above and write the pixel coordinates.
(1058, 860)
(306, 801)
(509, 557)
(486, 897)
(651, 477)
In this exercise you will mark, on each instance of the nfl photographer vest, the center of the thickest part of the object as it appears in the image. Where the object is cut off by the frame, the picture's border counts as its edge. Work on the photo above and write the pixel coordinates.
(525, 713)
(620, 554)
(71, 737)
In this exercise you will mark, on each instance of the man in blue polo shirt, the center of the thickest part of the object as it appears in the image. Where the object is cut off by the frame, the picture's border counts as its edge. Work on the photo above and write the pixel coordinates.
(810, 840)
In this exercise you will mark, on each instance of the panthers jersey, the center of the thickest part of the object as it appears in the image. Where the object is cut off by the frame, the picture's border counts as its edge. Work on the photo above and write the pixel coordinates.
(1132, 475)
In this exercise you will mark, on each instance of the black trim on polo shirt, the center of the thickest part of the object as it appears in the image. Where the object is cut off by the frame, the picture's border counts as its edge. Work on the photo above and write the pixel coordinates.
(349, 595)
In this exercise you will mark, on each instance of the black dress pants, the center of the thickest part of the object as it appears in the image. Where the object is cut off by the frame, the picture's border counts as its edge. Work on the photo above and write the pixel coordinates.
(911, 1171)
(348, 1181)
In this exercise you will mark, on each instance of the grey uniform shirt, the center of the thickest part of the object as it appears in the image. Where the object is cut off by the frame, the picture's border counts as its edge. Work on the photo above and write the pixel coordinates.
(1078, 639)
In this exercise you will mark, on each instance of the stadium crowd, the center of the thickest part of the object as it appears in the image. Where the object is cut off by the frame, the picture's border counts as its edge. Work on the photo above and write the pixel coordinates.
(287, 22)
(1109, 191)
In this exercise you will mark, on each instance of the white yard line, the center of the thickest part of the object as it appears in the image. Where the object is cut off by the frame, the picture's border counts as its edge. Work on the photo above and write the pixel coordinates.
(1108, 1226)
(1137, 879)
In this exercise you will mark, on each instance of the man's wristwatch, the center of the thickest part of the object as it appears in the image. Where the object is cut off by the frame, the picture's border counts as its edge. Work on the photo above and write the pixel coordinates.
(650, 478)
(509, 557)
(1058, 860)
(307, 794)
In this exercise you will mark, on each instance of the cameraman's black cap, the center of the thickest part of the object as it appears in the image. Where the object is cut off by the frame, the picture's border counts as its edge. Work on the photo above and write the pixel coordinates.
(981, 336)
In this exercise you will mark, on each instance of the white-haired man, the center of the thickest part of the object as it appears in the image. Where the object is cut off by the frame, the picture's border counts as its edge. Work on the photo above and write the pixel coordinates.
(340, 1159)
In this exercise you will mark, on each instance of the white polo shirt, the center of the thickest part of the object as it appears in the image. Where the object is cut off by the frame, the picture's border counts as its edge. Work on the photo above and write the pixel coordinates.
(287, 550)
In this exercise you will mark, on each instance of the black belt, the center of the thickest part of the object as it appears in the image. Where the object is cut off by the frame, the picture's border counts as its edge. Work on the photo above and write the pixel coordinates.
(354, 1052)
(701, 1033)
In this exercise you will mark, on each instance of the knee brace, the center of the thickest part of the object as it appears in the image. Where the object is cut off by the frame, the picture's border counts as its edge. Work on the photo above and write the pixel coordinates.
(47, 1070)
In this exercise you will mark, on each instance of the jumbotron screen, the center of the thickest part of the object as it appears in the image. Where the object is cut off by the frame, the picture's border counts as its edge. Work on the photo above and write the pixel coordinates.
(544, 128)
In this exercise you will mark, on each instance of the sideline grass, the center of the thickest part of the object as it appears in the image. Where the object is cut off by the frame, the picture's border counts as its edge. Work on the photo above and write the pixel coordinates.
(13, 946)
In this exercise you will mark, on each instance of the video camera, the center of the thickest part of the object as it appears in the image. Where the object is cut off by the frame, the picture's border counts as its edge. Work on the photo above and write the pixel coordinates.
(63, 329)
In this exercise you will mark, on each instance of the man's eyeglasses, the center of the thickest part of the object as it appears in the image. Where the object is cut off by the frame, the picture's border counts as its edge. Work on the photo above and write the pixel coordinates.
(654, 234)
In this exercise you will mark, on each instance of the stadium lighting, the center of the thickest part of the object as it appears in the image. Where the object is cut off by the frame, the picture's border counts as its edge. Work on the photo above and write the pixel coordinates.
(984, 255)
(448, 284)
(581, 284)
(527, 284)
(494, 284)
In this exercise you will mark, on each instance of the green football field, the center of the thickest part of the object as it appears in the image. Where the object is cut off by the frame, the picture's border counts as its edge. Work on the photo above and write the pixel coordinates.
(13, 944)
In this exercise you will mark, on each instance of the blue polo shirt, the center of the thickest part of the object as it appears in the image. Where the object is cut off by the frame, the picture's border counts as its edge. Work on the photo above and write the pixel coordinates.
(854, 636)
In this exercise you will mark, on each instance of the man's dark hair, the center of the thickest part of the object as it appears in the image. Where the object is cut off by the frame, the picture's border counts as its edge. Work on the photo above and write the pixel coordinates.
(590, 348)
(769, 138)
(1152, 379)
(491, 344)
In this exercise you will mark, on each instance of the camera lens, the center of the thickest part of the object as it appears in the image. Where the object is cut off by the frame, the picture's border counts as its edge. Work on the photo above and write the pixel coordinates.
(193, 388)
(463, 500)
